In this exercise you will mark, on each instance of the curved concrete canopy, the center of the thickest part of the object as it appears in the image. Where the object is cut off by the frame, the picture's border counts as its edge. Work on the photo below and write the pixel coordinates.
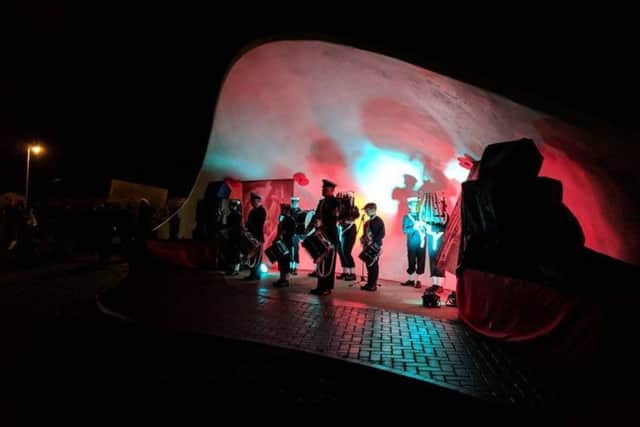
(384, 128)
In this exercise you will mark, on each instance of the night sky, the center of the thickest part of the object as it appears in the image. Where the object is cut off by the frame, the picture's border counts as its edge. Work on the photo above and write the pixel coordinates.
(129, 93)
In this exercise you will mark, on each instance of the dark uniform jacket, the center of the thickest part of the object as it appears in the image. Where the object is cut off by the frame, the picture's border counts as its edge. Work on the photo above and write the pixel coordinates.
(234, 224)
(374, 230)
(255, 222)
(286, 230)
(327, 212)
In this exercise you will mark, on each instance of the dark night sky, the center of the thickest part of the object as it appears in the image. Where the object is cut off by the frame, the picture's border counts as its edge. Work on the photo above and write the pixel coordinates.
(129, 93)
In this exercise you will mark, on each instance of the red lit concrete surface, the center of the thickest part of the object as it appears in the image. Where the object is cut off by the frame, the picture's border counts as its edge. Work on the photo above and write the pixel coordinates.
(385, 129)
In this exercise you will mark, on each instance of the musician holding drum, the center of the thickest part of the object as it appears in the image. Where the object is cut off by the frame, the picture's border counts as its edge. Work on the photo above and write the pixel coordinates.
(372, 244)
(325, 221)
(286, 231)
(347, 233)
(296, 212)
(255, 226)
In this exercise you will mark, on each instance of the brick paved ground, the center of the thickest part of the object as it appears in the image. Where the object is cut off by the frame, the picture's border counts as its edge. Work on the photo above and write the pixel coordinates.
(390, 295)
(71, 363)
(438, 351)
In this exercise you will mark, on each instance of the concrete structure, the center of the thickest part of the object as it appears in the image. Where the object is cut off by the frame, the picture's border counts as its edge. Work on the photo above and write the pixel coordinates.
(385, 129)
(131, 192)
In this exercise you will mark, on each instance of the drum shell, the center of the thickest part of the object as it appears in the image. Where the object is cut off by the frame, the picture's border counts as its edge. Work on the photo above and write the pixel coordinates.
(370, 253)
(248, 244)
(317, 245)
(277, 251)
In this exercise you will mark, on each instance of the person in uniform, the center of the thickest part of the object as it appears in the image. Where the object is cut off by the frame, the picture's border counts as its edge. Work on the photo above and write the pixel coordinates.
(295, 242)
(347, 233)
(416, 233)
(255, 225)
(435, 231)
(286, 231)
(373, 234)
(326, 220)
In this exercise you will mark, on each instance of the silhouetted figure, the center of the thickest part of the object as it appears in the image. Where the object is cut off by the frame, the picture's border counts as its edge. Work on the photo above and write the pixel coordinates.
(231, 231)
(286, 231)
(295, 245)
(209, 212)
(326, 220)
(372, 236)
(524, 272)
(255, 225)
(514, 222)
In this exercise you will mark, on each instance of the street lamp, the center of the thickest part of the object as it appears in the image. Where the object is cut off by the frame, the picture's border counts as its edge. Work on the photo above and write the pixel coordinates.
(36, 149)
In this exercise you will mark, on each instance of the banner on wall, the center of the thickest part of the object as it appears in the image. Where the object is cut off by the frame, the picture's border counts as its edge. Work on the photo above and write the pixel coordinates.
(273, 192)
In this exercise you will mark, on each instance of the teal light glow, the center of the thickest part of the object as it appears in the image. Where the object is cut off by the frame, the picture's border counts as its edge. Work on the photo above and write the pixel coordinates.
(453, 170)
(263, 268)
(379, 171)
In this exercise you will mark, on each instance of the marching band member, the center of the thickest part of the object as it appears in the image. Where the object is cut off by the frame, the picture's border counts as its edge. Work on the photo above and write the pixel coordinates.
(286, 231)
(255, 225)
(416, 233)
(326, 220)
(373, 234)
(295, 243)
(435, 231)
(347, 233)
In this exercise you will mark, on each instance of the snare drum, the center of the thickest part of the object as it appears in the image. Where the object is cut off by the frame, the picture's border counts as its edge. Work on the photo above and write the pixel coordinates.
(370, 254)
(318, 246)
(248, 244)
(277, 251)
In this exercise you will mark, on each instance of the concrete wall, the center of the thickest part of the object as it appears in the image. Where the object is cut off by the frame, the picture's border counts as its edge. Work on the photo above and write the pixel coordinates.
(385, 128)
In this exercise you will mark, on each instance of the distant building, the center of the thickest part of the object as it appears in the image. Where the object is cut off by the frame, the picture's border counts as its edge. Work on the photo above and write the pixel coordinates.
(125, 192)
(11, 196)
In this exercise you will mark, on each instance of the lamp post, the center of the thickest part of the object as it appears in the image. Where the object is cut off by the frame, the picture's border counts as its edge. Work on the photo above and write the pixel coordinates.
(35, 149)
